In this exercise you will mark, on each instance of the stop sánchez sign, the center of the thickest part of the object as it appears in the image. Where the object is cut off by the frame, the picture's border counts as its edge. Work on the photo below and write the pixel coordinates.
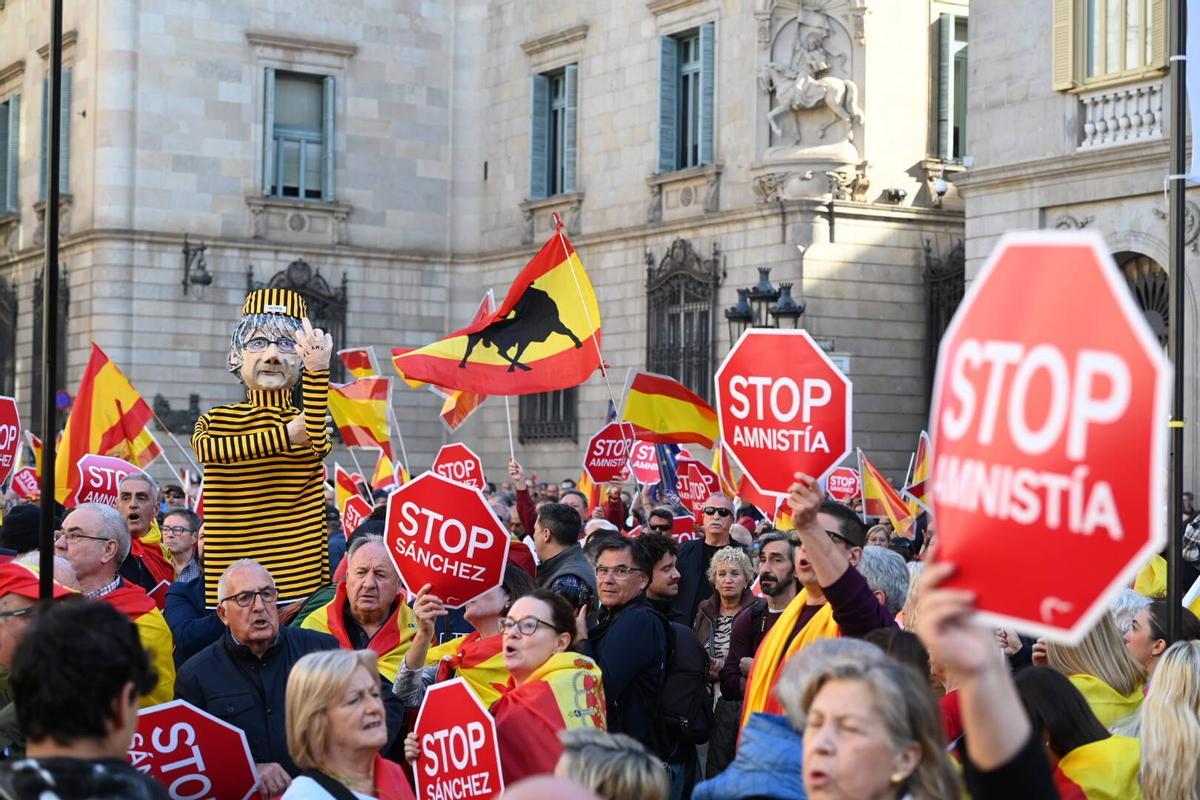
(783, 408)
(1049, 422)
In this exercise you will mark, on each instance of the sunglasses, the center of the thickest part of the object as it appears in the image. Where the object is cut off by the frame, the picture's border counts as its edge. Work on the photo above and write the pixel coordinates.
(661, 528)
(718, 511)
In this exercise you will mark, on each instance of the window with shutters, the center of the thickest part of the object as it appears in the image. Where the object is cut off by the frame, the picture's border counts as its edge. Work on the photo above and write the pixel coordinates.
(298, 157)
(950, 81)
(64, 158)
(10, 136)
(553, 132)
(549, 415)
(1108, 41)
(685, 98)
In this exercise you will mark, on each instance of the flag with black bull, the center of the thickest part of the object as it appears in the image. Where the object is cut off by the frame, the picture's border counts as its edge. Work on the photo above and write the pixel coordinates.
(544, 336)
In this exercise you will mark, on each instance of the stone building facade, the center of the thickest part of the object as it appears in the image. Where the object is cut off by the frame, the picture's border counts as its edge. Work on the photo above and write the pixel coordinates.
(395, 160)
(1090, 150)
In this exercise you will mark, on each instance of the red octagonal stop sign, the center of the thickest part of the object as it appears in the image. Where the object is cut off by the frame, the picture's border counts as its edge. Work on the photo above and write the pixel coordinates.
(443, 533)
(783, 408)
(607, 455)
(459, 753)
(457, 462)
(192, 753)
(10, 436)
(1049, 435)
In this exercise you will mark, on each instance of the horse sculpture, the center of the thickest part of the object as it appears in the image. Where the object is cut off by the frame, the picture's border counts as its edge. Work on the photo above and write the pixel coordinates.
(796, 92)
(535, 319)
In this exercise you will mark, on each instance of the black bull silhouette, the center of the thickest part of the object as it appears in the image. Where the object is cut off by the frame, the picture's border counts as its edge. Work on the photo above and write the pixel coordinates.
(535, 318)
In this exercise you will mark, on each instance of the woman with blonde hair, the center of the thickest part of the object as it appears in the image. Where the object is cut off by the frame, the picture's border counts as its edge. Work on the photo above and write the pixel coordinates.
(613, 765)
(1102, 669)
(1171, 726)
(335, 728)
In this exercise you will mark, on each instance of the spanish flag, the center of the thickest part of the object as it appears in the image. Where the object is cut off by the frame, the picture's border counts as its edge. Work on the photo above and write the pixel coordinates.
(880, 499)
(664, 411)
(389, 643)
(478, 661)
(156, 638)
(108, 418)
(540, 339)
(360, 410)
(564, 693)
(344, 487)
(458, 405)
(35, 445)
(360, 362)
(1107, 768)
(722, 464)
(385, 474)
(918, 489)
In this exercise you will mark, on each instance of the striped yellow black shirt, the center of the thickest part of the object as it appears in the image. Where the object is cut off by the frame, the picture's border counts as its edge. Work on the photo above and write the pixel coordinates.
(263, 496)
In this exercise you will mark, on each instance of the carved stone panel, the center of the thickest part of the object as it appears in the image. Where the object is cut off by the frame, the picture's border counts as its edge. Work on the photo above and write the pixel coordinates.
(297, 222)
(684, 193)
(539, 216)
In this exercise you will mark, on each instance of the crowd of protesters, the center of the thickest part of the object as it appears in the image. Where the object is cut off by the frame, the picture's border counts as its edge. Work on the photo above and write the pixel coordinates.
(825, 660)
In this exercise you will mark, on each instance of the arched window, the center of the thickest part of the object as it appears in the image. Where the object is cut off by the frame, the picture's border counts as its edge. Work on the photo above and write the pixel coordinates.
(1148, 282)
(681, 310)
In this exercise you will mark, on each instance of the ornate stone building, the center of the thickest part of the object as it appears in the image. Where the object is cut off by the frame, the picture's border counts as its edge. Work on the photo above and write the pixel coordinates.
(393, 161)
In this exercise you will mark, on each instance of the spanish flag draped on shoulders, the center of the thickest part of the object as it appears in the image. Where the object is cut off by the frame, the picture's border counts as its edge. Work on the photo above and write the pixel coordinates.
(478, 661)
(1103, 770)
(564, 693)
(390, 642)
(134, 603)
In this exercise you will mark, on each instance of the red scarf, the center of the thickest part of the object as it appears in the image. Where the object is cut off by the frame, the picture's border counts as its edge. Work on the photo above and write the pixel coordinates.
(152, 559)
(385, 640)
(130, 600)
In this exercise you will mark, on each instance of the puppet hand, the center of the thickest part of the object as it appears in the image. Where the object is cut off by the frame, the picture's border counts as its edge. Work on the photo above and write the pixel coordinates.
(315, 347)
(296, 432)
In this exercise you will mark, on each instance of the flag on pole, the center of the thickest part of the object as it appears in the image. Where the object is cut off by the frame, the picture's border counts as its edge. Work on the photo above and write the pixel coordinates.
(880, 498)
(347, 485)
(664, 411)
(108, 418)
(917, 491)
(359, 409)
(540, 339)
(459, 405)
(384, 476)
(35, 445)
(360, 361)
(722, 464)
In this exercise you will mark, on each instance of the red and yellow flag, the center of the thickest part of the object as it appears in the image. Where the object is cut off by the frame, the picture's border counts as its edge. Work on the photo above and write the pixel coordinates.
(460, 405)
(478, 661)
(360, 410)
(918, 489)
(540, 339)
(360, 361)
(881, 499)
(35, 444)
(1101, 769)
(390, 643)
(344, 487)
(722, 464)
(664, 411)
(384, 476)
(108, 418)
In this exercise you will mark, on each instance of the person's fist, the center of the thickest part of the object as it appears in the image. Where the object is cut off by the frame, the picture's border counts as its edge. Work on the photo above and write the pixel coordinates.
(805, 498)
(314, 345)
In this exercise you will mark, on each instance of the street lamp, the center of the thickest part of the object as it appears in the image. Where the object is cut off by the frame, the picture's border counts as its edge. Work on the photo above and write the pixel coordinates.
(740, 317)
(763, 306)
(195, 268)
(786, 312)
(762, 295)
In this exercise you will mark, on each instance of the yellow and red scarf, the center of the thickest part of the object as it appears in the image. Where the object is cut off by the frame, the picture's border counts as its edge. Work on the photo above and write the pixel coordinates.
(564, 693)
(390, 642)
(1108, 706)
(772, 654)
(156, 637)
(476, 660)
(1103, 770)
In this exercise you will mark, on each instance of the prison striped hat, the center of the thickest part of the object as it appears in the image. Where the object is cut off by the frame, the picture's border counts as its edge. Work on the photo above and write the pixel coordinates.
(275, 301)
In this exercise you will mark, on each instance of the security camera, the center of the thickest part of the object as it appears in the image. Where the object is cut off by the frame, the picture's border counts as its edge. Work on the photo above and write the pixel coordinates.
(894, 195)
(940, 187)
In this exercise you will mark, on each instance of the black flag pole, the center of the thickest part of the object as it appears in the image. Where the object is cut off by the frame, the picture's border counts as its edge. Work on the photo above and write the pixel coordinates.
(1175, 343)
(49, 355)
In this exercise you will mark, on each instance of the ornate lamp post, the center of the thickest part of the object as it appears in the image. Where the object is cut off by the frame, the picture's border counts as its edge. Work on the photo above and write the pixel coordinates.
(763, 306)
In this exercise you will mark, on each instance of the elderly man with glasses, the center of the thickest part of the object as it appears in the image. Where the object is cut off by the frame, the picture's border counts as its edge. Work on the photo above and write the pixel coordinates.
(242, 677)
(694, 557)
(95, 540)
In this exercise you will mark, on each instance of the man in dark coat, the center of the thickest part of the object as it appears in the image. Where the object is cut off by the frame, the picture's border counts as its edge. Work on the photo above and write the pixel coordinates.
(694, 557)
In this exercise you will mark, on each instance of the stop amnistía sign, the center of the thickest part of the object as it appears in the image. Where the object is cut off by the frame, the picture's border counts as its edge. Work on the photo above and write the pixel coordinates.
(10, 436)
(843, 484)
(643, 461)
(457, 462)
(356, 512)
(443, 533)
(192, 753)
(1049, 432)
(783, 408)
(25, 483)
(100, 479)
(459, 754)
(712, 481)
(607, 455)
(693, 491)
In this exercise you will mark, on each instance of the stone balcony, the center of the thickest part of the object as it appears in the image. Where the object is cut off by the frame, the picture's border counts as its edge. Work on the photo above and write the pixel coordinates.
(1116, 115)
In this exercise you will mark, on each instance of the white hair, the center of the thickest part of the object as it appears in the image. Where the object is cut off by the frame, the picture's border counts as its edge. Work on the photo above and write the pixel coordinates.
(241, 563)
(144, 477)
(112, 526)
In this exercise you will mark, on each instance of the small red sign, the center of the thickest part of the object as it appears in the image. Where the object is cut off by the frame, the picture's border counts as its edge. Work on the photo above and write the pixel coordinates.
(459, 753)
(354, 514)
(693, 491)
(643, 460)
(843, 484)
(100, 479)
(443, 533)
(10, 436)
(711, 480)
(783, 408)
(25, 483)
(456, 462)
(192, 753)
(1048, 423)
(607, 456)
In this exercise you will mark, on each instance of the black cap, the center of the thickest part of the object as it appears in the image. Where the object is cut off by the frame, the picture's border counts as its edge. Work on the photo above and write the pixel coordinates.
(19, 532)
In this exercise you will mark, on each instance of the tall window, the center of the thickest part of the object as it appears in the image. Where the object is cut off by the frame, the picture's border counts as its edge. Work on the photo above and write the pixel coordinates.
(299, 141)
(64, 159)
(951, 87)
(1102, 41)
(681, 297)
(8, 340)
(10, 134)
(553, 133)
(685, 98)
(549, 415)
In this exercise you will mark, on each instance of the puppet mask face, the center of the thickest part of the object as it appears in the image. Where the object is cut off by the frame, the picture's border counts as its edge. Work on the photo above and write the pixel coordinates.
(271, 368)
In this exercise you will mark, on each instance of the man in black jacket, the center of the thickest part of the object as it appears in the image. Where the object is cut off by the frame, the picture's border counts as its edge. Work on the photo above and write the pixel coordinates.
(694, 558)
(563, 567)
